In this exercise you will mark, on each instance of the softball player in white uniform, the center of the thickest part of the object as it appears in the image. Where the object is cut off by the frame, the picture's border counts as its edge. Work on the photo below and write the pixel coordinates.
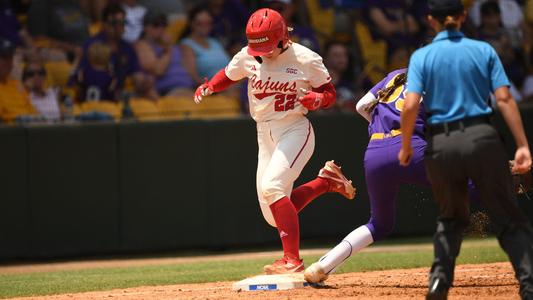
(285, 80)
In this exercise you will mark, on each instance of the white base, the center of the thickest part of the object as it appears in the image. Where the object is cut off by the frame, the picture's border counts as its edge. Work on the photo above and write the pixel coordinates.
(271, 282)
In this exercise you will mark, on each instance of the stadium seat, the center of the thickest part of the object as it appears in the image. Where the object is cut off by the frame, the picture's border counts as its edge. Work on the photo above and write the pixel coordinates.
(177, 107)
(175, 29)
(219, 106)
(322, 19)
(216, 106)
(468, 3)
(58, 72)
(374, 53)
(111, 108)
(145, 110)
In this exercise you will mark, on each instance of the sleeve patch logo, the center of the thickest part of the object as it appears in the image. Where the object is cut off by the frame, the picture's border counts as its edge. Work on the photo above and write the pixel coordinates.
(291, 71)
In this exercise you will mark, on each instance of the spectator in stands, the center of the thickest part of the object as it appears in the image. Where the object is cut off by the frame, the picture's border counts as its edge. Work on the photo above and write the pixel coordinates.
(392, 18)
(94, 9)
(107, 60)
(491, 26)
(229, 17)
(301, 34)
(44, 99)
(492, 31)
(14, 100)
(134, 20)
(162, 60)
(10, 28)
(21, 7)
(512, 19)
(146, 89)
(528, 10)
(393, 22)
(96, 81)
(203, 56)
(527, 86)
(337, 61)
(170, 8)
(60, 25)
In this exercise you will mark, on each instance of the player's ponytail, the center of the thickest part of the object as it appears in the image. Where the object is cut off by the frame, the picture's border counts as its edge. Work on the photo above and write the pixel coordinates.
(451, 22)
(385, 93)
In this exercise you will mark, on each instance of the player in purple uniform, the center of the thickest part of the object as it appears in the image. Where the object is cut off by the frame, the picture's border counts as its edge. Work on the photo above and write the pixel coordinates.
(381, 106)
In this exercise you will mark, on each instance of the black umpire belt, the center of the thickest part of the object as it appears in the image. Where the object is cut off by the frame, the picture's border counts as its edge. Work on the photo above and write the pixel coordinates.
(457, 125)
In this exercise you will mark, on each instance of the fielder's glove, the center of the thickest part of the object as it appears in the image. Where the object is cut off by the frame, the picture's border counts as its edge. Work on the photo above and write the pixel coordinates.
(521, 182)
(205, 89)
(311, 100)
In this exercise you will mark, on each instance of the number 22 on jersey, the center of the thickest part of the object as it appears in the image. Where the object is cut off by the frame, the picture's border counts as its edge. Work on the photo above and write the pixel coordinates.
(284, 102)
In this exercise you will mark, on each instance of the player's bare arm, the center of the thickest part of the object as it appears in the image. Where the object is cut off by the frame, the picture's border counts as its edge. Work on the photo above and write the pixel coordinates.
(408, 118)
(511, 115)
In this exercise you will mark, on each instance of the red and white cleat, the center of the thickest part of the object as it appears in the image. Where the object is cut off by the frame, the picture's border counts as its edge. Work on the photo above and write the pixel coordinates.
(337, 182)
(285, 265)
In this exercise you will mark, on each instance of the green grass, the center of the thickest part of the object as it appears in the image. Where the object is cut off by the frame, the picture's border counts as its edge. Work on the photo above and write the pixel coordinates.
(46, 283)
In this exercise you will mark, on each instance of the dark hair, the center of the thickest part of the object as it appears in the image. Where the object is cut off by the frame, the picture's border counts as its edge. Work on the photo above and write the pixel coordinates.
(111, 10)
(332, 43)
(349, 74)
(490, 7)
(191, 15)
(447, 12)
(450, 22)
(151, 18)
(385, 93)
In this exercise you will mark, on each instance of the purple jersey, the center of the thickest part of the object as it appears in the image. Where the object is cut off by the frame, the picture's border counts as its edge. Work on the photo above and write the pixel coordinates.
(386, 114)
(106, 85)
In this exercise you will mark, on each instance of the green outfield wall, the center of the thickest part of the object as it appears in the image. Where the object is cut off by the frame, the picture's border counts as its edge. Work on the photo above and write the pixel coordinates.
(75, 190)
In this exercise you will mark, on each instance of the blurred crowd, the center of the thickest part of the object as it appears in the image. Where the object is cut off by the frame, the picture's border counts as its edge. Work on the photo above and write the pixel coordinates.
(65, 60)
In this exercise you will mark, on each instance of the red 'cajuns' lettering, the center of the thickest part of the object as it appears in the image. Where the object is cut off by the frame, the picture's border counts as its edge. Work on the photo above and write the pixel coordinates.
(272, 86)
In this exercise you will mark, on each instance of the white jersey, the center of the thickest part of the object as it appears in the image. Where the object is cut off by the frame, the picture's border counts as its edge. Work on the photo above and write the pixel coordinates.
(274, 85)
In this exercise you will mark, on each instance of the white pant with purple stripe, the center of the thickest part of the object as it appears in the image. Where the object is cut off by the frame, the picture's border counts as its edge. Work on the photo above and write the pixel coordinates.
(285, 147)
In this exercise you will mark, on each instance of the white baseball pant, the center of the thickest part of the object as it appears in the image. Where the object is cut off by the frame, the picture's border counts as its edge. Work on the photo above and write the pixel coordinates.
(285, 147)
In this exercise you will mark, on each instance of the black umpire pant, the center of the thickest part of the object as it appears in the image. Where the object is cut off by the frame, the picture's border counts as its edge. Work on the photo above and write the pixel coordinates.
(473, 149)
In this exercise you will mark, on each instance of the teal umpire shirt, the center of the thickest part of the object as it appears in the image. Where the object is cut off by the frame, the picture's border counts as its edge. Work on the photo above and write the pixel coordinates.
(455, 75)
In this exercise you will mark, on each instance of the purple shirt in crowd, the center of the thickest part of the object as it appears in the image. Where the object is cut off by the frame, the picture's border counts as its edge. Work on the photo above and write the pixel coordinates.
(386, 114)
(306, 36)
(105, 84)
(228, 24)
(9, 25)
(175, 75)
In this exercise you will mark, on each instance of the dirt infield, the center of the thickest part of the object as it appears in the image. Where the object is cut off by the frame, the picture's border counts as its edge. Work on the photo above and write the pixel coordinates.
(480, 281)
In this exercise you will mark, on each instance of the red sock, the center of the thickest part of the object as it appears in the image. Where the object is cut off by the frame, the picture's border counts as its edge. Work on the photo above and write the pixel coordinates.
(307, 192)
(286, 219)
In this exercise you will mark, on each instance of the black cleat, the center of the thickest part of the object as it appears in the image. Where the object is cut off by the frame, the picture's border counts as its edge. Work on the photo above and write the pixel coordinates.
(437, 291)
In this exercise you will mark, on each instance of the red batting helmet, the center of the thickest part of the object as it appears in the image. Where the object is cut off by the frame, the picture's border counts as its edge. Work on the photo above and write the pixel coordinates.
(265, 29)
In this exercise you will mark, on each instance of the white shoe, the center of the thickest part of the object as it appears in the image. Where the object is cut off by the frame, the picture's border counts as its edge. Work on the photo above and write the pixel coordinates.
(315, 274)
